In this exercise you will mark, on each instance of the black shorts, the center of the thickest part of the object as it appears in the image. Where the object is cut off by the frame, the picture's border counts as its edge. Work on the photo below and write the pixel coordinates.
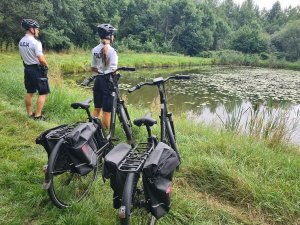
(35, 81)
(103, 94)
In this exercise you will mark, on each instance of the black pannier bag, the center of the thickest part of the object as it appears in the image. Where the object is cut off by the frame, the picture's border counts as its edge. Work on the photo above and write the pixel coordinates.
(49, 138)
(81, 147)
(157, 179)
(110, 171)
(78, 146)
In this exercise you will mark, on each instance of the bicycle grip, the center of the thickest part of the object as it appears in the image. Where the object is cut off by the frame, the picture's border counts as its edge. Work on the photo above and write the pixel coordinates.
(182, 77)
(127, 68)
(86, 82)
(132, 89)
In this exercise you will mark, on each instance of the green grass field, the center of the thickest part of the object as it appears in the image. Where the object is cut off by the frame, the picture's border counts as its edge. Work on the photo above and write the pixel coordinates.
(224, 178)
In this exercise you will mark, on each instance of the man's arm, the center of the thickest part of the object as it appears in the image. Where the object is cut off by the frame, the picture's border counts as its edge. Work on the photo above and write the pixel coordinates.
(42, 60)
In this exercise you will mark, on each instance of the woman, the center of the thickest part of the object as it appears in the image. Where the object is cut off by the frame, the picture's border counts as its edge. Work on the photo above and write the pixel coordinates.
(104, 60)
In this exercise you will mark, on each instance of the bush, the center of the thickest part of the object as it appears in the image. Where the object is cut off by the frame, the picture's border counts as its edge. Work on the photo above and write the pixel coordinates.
(230, 57)
(264, 56)
(206, 54)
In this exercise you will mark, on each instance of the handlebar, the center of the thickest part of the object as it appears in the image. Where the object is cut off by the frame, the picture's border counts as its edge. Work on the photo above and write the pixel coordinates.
(157, 81)
(88, 80)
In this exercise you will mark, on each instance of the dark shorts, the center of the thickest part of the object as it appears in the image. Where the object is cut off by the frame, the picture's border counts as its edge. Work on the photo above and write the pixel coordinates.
(35, 81)
(102, 94)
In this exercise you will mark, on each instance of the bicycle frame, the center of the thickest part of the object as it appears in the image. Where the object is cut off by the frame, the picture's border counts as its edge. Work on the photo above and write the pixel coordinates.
(118, 103)
(166, 122)
(164, 113)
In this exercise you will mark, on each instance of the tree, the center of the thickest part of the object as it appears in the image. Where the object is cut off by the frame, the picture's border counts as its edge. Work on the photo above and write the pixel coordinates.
(12, 13)
(248, 13)
(220, 34)
(288, 40)
(274, 18)
(249, 39)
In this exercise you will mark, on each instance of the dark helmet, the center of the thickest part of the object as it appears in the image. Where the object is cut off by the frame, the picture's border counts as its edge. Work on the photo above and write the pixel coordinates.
(105, 30)
(29, 23)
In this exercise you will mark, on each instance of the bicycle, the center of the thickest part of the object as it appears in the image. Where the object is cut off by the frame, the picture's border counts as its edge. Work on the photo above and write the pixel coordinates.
(136, 192)
(67, 179)
(167, 129)
(119, 107)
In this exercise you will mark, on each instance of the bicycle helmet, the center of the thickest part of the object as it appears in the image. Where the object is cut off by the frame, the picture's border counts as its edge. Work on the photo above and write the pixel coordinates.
(105, 30)
(29, 23)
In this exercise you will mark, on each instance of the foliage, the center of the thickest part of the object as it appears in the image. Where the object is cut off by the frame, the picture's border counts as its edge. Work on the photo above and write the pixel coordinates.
(184, 26)
(249, 39)
(287, 40)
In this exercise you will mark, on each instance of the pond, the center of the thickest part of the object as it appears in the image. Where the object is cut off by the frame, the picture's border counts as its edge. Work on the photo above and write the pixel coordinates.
(244, 99)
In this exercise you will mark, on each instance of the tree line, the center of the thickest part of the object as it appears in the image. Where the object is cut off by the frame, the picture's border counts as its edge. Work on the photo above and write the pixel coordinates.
(191, 27)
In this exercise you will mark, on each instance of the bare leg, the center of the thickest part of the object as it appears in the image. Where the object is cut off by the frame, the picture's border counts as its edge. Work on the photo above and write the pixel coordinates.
(106, 119)
(96, 112)
(28, 103)
(40, 104)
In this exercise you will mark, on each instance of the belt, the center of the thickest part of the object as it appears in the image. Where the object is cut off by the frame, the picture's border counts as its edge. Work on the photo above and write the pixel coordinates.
(32, 65)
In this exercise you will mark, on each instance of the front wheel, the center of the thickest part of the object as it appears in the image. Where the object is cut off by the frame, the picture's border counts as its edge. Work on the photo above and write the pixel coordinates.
(66, 185)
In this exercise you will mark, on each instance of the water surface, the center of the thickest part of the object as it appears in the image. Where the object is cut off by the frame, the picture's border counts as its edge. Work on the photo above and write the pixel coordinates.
(217, 93)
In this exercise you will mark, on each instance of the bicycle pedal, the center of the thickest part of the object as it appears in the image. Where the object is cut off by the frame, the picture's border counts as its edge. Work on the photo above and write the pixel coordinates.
(45, 167)
(46, 185)
(122, 214)
(115, 138)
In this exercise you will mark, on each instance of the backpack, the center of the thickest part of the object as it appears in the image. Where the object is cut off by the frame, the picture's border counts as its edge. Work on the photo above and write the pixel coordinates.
(110, 171)
(157, 179)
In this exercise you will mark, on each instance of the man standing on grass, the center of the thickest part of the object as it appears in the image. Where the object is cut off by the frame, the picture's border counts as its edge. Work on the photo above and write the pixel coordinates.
(35, 68)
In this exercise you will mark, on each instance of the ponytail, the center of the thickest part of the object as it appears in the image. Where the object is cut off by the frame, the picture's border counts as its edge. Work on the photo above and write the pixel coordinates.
(104, 52)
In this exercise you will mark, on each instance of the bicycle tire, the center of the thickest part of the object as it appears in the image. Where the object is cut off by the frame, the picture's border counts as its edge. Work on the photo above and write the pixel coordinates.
(125, 123)
(170, 138)
(130, 201)
(74, 187)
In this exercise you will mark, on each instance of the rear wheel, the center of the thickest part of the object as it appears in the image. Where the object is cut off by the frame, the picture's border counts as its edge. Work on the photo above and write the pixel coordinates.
(133, 208)
(66, 185)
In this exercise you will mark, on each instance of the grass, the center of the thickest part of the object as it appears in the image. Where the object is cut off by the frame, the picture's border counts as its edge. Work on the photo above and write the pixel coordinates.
(224, 178)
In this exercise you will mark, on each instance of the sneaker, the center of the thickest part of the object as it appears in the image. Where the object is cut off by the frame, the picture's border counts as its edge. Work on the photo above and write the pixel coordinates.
(32, 115)
(41, 117)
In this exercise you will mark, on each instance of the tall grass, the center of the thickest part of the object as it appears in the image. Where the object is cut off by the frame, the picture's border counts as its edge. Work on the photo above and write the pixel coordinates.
(276, 126)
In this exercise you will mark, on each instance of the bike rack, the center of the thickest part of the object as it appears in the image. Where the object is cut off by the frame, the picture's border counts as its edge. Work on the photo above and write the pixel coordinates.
(136, 157)
(60, 132)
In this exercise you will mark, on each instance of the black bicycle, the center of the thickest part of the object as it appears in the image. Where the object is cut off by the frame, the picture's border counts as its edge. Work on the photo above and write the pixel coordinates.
(167, 133)
(119, 107)
(147, 198)
(75, 152)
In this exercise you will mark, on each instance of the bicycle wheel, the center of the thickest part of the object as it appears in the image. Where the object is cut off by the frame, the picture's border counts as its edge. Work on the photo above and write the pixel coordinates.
(66, 186)
(133, 206)
(170, 138)
(125, 123)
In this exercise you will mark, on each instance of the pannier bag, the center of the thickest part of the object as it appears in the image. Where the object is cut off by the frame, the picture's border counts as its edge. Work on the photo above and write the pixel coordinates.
(110, 171)
(80, 145)
(157, 179)
(49, 138)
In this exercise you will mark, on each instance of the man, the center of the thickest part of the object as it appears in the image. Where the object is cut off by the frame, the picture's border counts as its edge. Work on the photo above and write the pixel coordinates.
(35, 68)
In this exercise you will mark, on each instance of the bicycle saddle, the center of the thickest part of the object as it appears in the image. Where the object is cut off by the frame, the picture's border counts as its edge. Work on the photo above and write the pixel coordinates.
(146, 120)
(84, 105)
